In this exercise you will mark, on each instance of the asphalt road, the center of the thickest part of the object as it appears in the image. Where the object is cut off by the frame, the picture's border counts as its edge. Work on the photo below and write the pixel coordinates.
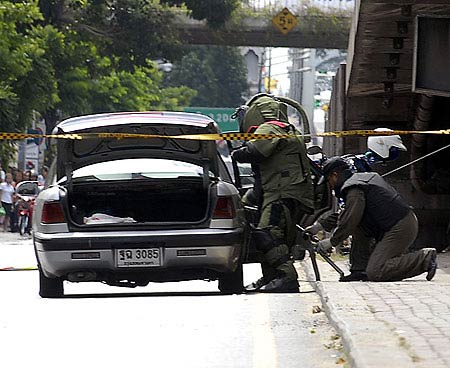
(188, 324)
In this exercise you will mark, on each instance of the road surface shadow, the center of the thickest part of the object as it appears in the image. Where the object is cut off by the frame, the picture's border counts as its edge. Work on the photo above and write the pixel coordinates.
(144, 294)
(162, 294)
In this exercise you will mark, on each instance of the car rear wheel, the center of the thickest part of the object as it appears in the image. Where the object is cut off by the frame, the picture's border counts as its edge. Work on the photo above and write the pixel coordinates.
(232, 283)
(50, 288)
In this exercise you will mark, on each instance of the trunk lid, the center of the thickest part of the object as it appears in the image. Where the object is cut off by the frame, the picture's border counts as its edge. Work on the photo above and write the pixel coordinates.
(74, 154)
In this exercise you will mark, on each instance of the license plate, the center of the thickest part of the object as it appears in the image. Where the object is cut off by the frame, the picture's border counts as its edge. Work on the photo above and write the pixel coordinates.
(149, 257)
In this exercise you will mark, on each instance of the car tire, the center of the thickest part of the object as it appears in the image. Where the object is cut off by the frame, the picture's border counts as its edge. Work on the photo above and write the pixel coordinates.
(23, 224)
(50, 288)
(233, 282)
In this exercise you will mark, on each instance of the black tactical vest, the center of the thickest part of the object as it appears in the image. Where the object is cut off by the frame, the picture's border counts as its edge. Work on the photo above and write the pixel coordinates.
(384, 206)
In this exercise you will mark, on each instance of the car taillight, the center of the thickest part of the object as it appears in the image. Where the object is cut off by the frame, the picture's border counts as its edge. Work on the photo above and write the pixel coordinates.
(224, 208)
(52, 213)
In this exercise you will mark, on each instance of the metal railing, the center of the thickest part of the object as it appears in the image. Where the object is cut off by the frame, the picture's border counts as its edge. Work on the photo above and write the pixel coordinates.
(298, 6)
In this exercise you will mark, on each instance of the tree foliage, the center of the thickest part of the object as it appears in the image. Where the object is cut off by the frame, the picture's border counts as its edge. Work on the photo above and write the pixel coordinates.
(134, 30)
(216, 12)
(60, 58)
(218, 74)
(26, 81)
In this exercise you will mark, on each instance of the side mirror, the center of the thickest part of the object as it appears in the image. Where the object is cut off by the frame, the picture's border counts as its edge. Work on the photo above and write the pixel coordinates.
(313, 150)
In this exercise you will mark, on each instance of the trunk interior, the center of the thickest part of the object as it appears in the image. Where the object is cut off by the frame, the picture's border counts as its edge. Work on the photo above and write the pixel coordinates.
(139, 201)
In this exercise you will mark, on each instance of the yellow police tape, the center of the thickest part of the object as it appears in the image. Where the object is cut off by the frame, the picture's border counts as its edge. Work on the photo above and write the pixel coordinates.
(222, 136)
(31, 268)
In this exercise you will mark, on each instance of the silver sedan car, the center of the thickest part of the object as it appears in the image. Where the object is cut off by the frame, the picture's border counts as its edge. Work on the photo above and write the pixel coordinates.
(130, 211)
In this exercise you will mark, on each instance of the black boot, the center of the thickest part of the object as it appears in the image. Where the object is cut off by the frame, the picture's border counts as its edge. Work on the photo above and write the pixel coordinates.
(432, 264)
(354, 276)
(255, 286)
(281, 285)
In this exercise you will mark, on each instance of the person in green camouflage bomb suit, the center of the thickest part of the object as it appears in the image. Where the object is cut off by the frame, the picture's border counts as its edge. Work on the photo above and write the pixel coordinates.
(283, 188)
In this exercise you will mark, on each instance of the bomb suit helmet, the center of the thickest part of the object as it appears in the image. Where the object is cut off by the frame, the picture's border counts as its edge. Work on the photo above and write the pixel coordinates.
(260, 108)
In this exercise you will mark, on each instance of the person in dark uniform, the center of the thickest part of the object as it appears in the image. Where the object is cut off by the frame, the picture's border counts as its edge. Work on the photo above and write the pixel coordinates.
(376, 209)
(283, 189)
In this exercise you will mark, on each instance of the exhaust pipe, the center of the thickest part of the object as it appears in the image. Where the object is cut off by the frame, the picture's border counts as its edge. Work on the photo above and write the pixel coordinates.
(81, 276)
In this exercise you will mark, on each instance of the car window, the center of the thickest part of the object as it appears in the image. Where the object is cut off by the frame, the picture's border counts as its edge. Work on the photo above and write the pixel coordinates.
(135, 169)
(245, 171)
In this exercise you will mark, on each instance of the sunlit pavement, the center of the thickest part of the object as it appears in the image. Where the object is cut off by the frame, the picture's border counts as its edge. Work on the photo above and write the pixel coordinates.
(19, 254)
(189, 324)
(390, 324)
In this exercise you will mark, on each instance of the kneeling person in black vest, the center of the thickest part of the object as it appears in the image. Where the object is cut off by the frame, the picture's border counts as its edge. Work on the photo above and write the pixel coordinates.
(375, 208)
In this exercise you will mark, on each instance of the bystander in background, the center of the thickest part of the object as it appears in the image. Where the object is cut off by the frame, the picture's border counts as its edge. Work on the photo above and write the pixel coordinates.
(42, 176)
(2, 173)
(6, 194)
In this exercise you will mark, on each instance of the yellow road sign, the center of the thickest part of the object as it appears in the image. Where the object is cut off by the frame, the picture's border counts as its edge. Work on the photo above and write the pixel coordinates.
(285, 21)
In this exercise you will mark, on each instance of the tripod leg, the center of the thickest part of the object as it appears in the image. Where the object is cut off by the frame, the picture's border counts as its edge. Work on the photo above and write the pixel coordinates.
(331, 263)
(312, 255)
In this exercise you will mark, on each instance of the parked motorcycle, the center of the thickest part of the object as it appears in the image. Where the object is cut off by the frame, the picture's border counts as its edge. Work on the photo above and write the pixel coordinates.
(26, 192)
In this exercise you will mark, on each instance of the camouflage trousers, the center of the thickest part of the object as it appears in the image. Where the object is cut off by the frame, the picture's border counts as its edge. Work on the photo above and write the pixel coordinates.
(279, 218)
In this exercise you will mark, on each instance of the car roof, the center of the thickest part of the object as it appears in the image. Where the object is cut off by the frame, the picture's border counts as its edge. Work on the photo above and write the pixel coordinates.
(123, 118)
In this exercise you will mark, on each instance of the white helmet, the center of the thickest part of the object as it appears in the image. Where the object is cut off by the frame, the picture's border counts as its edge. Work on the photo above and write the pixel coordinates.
(382, 144)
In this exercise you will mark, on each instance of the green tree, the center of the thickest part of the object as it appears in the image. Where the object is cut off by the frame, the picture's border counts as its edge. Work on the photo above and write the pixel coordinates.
(26, 81)
(60, 58)
(91, 83)
(218, 74)
(133, 30)
(103, 64)
(216, 12)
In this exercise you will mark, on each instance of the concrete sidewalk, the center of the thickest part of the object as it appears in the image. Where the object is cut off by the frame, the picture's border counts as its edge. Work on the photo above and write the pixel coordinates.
(389, 324)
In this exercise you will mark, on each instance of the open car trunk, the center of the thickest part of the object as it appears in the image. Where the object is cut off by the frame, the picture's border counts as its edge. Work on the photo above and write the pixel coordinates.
(151, 177)
(180, 200)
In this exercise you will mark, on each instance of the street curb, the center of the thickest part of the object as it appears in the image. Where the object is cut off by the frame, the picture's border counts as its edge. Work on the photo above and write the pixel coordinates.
(353, 353)
(368, 341)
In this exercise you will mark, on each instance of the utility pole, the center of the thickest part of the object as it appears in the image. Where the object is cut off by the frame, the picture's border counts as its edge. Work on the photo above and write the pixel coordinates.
(261, 66)
(270, 70)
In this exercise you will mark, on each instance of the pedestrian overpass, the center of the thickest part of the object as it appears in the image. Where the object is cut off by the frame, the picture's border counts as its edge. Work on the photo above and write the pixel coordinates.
(317, 30)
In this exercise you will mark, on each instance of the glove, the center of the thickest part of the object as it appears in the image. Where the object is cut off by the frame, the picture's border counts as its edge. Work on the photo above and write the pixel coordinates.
(330, 222)
(314, 228)
(324, 245)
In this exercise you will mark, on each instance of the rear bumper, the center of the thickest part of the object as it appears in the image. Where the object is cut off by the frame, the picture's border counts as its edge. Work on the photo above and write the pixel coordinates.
(214, 250)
